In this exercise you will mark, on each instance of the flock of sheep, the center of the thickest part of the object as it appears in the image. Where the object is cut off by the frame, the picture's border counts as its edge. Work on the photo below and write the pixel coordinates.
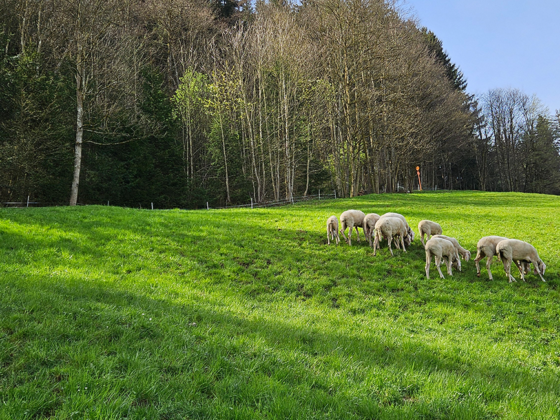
(394, 226)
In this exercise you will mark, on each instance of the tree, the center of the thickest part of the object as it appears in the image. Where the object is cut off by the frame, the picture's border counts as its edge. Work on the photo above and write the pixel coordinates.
(34, 106)
(509, 114)
(189, 104)
(81, 35)
(542, 158)
(435, 47)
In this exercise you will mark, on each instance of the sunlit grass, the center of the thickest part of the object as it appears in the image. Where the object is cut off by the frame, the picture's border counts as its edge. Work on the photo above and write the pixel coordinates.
(120, 313)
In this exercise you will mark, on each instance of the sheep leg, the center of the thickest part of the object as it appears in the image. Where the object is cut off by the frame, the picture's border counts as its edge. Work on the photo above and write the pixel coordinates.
(428, 262)
(357, 233)
(390, 239)
(328, 236)
(520, 267)
(342, 229)
(507, 268)
(375, 242)
(448, 263)
(538, 270)
(488, 264)
(438, 263)
(458, 261)
(479, 256)
(350, 228)
(402, 243)
(422, 238)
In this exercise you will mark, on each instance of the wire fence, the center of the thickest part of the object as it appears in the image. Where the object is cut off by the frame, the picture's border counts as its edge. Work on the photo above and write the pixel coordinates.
(27, 203)
(277, 203)
(252, 204)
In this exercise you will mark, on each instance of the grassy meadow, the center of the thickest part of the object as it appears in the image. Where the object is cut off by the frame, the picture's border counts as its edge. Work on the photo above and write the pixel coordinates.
(112, 313)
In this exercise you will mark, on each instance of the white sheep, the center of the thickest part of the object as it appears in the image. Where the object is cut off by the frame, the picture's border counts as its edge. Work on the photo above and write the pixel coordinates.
(332, 230)
(369, 226)
(351, 219)
(486, 247)
(441, 249)
(389, 227)
(522, 253)
(410, 233)
(429, 228)
(464, 253)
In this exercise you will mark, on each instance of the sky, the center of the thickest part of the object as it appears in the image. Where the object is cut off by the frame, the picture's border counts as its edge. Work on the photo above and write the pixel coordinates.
(499, 43)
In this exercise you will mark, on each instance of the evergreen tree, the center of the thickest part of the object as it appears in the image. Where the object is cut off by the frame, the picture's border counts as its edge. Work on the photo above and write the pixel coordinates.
(542, 165)
(435, 46)
(35, 130)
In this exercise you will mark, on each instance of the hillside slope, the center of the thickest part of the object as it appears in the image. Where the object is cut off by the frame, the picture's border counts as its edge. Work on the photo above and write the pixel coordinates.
(112, 313)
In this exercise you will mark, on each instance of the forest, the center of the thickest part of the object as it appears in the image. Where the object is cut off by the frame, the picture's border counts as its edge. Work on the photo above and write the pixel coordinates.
(181, 103)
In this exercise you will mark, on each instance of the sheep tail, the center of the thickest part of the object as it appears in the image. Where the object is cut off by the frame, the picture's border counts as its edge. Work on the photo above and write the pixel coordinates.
(499, 255)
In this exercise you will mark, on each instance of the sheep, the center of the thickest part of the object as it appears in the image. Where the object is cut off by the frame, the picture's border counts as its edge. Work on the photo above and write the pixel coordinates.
(332, 230)
(486, 247)
(465, 254)
(440, 248)
(369, 226)
(389, 227)
(428, 228)
(522, 253)
(350, 219)
(410, 233)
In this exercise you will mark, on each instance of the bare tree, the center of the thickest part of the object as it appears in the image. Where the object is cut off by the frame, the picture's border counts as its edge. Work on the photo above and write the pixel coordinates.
(509, 113)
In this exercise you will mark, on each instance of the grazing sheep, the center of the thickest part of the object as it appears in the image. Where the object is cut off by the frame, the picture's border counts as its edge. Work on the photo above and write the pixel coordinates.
(410, 233)
(389, 227)
(369, 226)
(486, 247)
(522, 253)
(465, 254)
(332, 230)
(350, 219)
(429, 228)
(441, 249)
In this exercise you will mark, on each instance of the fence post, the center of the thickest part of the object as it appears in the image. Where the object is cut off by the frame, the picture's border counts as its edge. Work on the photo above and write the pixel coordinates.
(319, 194)
(152, 206)
(334, 194)
(27, 201)
(107, 202)
(207, 207)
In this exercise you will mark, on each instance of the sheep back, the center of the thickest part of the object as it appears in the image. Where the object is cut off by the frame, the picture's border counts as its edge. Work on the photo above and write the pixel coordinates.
(356, 216)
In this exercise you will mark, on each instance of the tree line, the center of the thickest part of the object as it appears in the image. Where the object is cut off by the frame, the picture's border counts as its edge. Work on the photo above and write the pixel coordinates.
(184, 102)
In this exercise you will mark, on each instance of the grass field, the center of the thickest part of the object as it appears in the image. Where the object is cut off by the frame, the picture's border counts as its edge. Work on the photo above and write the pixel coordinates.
(111, 313)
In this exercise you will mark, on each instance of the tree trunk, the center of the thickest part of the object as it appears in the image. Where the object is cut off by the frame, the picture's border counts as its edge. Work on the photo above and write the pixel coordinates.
(80, 93)
(228, 198)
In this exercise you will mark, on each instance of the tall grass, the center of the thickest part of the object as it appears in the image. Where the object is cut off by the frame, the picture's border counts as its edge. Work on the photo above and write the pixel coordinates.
(110, 313)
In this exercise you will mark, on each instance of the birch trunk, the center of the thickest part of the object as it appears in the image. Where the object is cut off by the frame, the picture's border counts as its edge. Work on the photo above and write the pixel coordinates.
(80, 93)
(228, 197)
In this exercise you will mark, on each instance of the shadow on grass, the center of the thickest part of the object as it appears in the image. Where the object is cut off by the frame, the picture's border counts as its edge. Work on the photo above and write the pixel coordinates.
(193, 357)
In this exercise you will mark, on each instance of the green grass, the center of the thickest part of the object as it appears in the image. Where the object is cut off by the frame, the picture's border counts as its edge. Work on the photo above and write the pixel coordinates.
(110, 313)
